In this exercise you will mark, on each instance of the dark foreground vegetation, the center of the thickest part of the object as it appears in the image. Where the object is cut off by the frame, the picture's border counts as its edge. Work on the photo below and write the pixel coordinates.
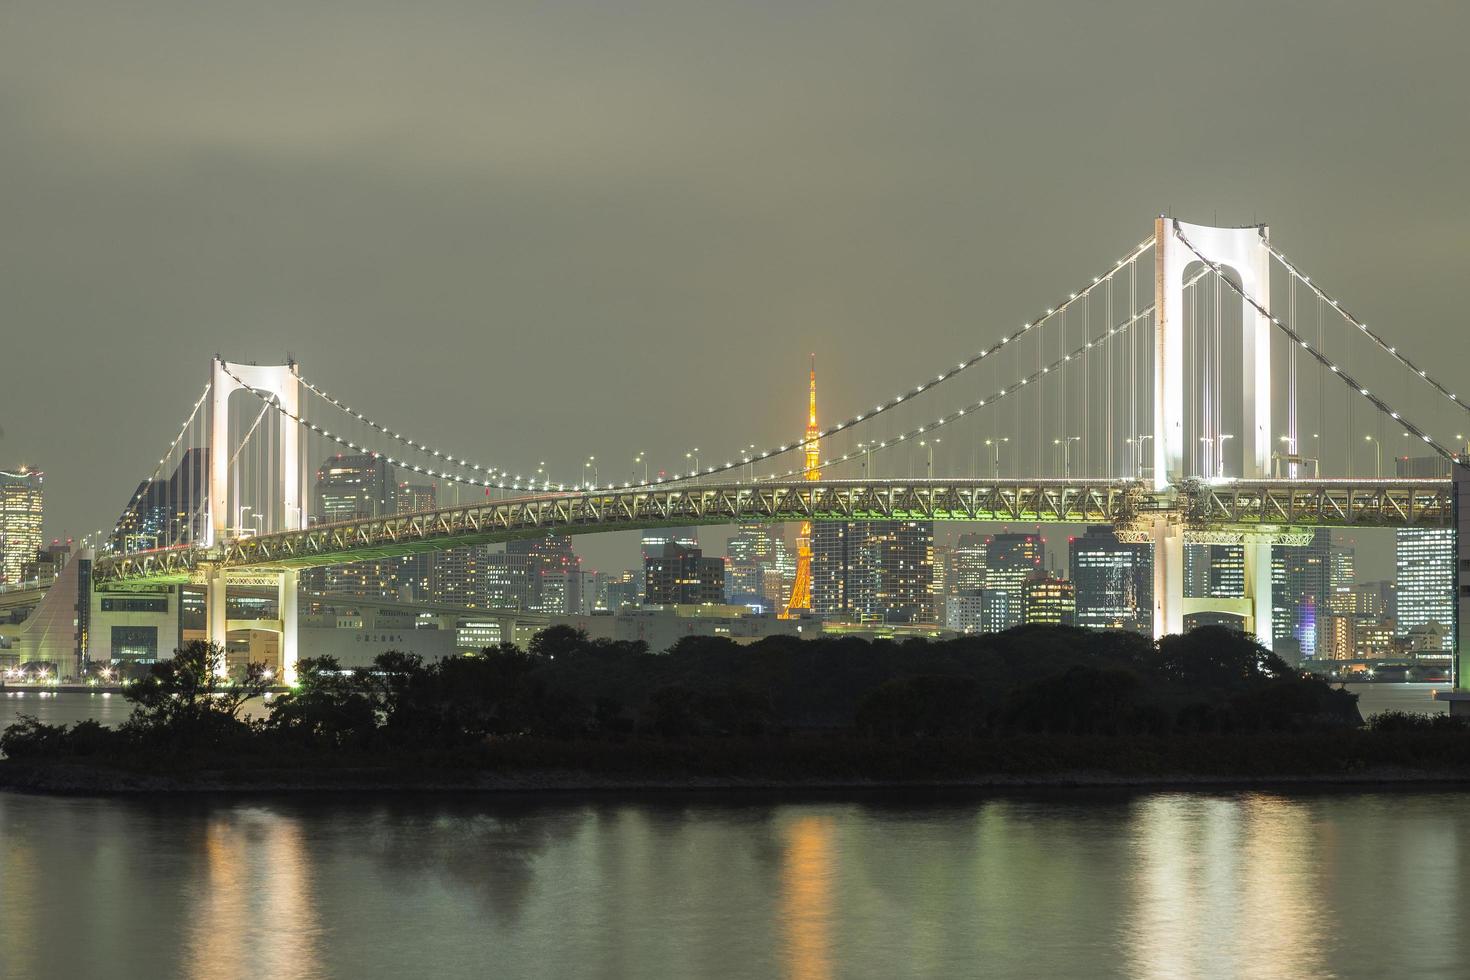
(1041, 704)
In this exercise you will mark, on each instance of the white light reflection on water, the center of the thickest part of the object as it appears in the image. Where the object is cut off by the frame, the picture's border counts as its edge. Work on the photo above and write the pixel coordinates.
(1058, 885)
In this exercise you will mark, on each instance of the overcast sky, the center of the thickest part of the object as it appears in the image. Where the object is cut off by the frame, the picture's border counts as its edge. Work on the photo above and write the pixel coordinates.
(539, 231)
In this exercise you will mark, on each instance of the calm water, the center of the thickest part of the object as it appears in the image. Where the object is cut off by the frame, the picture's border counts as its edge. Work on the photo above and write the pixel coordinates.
(1158, 885)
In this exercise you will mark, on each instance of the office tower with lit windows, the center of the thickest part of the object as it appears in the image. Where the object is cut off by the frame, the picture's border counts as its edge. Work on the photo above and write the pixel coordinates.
(624, 590)
(502, 588)
(415, 573)
(653, 540)
(172, 510)
(539, 567)
(1113, 580)
(940, 588)
(964, 612)
(829, 567)
(754, 570)
(1342, 566)
(1010, 559)
(683, 576)
(967, 563)
(1000, 610)
(1047, 600)
(22, 507)
(467, 577)
(1214, 570)
(351, 487)
(1301, 591)
(1424, 563)
(872, 571)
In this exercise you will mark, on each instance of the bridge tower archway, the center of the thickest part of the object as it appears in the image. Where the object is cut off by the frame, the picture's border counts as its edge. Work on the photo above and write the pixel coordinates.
(1243, 252)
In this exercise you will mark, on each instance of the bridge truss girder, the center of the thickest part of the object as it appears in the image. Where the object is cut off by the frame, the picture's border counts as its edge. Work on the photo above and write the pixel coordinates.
(1201, 509)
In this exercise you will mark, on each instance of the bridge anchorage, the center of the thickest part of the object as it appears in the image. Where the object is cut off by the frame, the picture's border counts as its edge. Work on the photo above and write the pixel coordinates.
(1220, 398)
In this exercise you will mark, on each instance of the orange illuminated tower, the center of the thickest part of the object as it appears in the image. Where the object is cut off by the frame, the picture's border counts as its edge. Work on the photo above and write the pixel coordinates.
(801, 591)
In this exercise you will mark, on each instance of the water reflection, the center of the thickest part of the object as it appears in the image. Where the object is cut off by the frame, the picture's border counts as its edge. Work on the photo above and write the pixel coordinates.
(806, 898)
(1177, 884)
(254, 915)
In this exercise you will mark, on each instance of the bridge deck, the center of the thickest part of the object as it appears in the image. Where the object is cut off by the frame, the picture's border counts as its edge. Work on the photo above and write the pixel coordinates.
(1226, 505)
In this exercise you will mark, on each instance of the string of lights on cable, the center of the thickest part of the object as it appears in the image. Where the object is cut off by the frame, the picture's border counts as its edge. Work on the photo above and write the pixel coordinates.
(1049, 314)
(1346, 378)
(1363, 328)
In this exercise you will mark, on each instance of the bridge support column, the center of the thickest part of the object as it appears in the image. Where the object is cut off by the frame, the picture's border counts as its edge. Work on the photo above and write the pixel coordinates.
(1459, 698)
(286, 600)
(1168, 541)
(1257, 553)
(217, 626)
(1243, 252)
(1461, 510)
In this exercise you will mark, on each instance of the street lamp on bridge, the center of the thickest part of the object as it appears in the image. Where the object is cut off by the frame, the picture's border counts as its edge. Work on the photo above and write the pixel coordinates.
(1136, 445)
(1064, 449)
(1377, 456)
(1220, 469)
(994, 445)
(929, 464)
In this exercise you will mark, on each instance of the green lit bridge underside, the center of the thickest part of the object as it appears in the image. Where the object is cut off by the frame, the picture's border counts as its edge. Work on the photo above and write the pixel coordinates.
(1227, 506)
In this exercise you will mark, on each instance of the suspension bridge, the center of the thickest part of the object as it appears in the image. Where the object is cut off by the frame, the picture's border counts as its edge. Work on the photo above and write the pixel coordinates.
(1202, 388)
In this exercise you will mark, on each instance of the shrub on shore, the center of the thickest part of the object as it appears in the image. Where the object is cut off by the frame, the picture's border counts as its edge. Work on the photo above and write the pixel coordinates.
(1033, 686)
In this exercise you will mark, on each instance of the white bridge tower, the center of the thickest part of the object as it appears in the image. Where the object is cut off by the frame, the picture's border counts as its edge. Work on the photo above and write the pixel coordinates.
(1243, 255)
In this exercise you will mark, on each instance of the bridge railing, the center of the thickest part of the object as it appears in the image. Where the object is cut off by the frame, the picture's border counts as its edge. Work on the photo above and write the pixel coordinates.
(1225, 504)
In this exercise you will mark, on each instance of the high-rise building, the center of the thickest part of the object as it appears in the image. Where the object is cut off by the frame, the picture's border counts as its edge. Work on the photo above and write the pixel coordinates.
(540, 567)
(22, 507)
(1301, 590)
(964, 612)
(653, 539)
(828, 572)
(1048, 600)
(468, 577)
(683, 576)
(1342, 566)
(1215, 571)
(623, 590)
(967, 563)
(1375, 600)
(942, 555)
(169, 511)
(415, 498)
(415, 573)
(504, 589)
(871, 571)
(1114, 581)
(351, 487)
(1010, 559)
(754, 568)
(1336, 637)
(1000, 610)
(1424, 561)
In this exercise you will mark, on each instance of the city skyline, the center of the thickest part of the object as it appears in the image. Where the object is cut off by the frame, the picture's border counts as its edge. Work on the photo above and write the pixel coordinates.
(806, 233)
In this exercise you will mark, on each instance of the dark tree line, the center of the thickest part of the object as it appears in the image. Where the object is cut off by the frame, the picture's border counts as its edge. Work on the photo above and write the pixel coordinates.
(1053, 681)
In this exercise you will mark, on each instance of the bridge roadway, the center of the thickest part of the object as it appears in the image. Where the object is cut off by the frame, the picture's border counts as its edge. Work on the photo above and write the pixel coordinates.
(1216, 510)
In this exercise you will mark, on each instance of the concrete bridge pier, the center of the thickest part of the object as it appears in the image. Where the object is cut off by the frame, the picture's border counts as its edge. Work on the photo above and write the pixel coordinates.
(1459, 698)
(286, 594)
(217, 624)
